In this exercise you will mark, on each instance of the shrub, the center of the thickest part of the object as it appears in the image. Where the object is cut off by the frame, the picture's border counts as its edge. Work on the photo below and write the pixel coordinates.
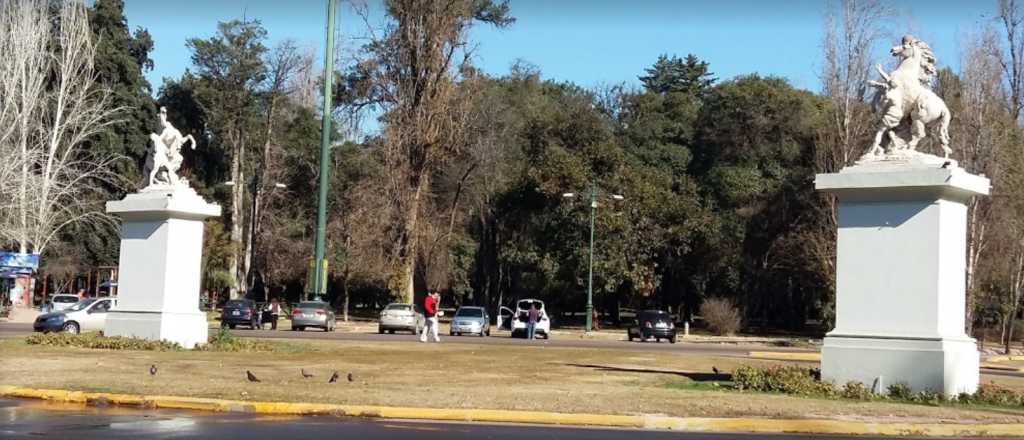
(992, 394)
(224, 341)
(900, 391)
(855, 389)
(789, 379)
(98, 341)
(721, 315)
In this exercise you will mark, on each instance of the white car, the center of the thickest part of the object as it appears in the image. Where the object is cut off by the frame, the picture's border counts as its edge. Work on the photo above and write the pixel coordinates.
(400, 317)
(87, 315)
(62, 301)
(521, 317)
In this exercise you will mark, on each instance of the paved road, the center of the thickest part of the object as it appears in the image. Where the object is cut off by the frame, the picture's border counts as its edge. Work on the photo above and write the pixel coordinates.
(37, 420)
(19, 329)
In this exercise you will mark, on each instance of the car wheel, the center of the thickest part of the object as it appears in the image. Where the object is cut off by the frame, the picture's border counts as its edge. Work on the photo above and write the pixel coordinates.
(71, 327)
(231, 326)
(488, 332)
(391, 332)
(482, 333)
(300, 328)
(629, 336)
(672, 339)
(380, 330)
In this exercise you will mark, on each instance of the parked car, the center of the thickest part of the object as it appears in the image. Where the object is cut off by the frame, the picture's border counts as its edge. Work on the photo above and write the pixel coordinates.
(543, 327)
(62, 301)
(652, 324)
(398, 316)
(472, 320)
(240, 312)
(87, 315)
(313, 314)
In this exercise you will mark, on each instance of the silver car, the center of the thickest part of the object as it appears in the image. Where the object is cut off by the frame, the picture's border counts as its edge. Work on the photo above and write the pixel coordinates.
(313, 314)
(472, 320)
(398, 316)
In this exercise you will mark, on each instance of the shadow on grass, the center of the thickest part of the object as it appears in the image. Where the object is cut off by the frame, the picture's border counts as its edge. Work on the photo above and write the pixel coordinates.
(692, 375)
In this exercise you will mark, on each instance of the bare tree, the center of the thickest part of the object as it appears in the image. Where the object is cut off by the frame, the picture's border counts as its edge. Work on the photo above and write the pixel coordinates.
(1011, 56)
(56, 105)
(853, 31)
(981, 126)
(416, 68)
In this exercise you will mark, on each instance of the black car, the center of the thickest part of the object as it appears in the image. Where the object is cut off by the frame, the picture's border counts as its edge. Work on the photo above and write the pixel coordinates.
(652, 324)
(240, 312)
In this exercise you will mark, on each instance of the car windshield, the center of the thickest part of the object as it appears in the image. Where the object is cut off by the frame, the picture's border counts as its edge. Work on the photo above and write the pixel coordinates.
(81, 305)
(397, 308)
(237, 303)
(470, 313)
(655, 315)
(312, 305)
(65, 299)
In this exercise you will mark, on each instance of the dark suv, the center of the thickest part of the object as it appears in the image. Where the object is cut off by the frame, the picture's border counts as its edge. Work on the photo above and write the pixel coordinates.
(652, 324)
(240, 312)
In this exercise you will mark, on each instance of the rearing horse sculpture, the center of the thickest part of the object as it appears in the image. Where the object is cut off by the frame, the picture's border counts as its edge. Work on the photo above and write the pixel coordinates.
(906, 96)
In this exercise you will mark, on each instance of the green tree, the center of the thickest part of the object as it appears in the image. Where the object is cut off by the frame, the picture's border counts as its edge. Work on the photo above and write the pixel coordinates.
(672, 75)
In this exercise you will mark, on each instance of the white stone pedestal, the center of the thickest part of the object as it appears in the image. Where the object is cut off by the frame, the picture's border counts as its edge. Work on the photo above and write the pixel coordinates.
(900, 282)
(160, 262)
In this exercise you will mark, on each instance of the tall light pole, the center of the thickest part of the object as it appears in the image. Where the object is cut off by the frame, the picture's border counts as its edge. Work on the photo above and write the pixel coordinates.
(590, 273)
(320, 266)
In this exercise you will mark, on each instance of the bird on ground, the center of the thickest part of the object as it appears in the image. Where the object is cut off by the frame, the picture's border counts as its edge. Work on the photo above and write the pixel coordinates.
(334, 377)
(250, 376)
(152, 370)
(715, 369)
(351, 378)
(305, 374)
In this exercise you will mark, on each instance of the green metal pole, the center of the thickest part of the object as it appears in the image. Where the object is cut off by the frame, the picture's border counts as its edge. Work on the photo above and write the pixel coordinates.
(319, 282)
(590, 278)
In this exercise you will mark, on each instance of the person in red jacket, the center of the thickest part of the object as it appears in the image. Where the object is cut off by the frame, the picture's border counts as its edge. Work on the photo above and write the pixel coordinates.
(430, 312)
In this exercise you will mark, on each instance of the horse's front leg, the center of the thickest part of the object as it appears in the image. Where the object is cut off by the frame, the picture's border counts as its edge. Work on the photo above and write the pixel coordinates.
(917, 132)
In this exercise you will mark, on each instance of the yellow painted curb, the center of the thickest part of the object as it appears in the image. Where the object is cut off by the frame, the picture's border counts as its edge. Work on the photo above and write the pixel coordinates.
(804, 426)
(1005, 358)
(786, 356)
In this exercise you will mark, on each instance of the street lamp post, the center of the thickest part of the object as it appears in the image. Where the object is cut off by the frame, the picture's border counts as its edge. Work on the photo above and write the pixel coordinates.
(590, 272)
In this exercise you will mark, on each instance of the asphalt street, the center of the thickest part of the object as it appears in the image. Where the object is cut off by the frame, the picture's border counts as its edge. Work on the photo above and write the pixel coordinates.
(38, 420)
(711, 349)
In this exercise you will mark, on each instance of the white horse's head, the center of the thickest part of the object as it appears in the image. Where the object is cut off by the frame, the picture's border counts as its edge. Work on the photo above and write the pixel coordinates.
(916, 54)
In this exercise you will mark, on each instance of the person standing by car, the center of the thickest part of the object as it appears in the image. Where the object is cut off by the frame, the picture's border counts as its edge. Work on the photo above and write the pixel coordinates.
(430, 305)
(275, 312)
(532, 316)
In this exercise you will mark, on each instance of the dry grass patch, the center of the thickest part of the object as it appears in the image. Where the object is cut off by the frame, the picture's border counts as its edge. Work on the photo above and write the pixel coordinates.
(601, 381)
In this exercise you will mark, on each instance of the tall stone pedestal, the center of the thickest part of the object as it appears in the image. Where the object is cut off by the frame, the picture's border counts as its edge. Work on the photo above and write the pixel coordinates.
(160, 262)
(901, 257)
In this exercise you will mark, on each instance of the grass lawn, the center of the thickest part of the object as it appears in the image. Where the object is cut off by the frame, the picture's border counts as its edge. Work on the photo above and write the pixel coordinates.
(602, 381)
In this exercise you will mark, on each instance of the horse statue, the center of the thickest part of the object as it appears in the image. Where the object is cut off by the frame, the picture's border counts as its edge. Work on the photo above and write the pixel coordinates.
(904, 97)
(165, 158)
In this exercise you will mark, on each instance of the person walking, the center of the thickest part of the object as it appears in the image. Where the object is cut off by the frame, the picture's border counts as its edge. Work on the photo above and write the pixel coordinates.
(532, 316)
(430, 312)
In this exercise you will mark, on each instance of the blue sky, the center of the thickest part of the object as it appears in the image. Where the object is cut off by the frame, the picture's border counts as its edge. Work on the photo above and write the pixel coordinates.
(589, 42)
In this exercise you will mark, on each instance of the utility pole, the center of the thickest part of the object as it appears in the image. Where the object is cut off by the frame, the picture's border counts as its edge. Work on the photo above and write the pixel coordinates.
(320, 265)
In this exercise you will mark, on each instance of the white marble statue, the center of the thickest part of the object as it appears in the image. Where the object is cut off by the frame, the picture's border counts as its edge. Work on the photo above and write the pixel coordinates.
(907, 103)
(165, 157)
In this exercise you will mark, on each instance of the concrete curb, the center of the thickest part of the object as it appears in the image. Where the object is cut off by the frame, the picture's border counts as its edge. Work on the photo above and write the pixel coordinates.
(696, 424)
(1004, 358)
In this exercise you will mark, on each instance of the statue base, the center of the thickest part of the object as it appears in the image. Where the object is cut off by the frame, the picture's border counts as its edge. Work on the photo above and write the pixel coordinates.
(900, 262)
(160, 265)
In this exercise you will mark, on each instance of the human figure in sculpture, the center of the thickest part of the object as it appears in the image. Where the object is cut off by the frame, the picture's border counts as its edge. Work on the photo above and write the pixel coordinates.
(166, 154)
(905, 97)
